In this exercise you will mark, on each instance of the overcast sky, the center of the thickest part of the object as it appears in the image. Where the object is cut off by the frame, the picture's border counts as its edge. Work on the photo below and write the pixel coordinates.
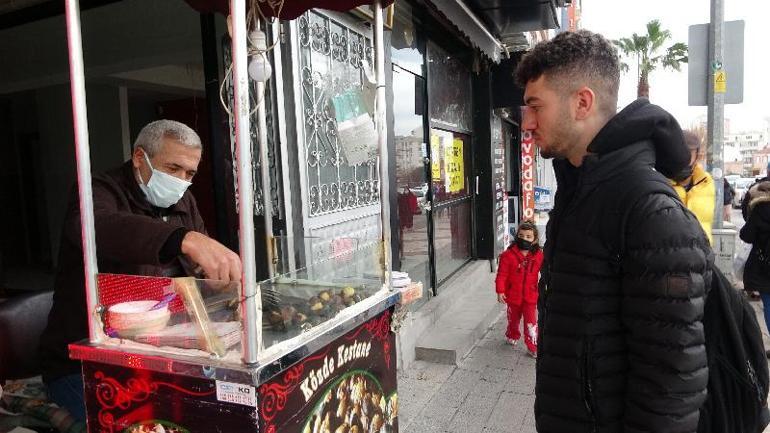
(615, 19)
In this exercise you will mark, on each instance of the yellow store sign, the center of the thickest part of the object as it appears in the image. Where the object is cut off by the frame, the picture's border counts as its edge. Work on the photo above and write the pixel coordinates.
(435, 163)
(455, 172)
(447, 165)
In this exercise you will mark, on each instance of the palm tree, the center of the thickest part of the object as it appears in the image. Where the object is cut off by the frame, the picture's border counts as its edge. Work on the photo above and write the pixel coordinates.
(648, 51)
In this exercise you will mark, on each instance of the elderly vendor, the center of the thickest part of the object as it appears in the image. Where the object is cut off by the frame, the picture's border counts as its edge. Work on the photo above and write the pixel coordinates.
(147, 223)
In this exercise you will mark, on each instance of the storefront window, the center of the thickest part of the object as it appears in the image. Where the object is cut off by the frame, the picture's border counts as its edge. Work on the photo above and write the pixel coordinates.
(407, 44)
(451, 227)
(411, 178)
(450, 91)
(449, 154)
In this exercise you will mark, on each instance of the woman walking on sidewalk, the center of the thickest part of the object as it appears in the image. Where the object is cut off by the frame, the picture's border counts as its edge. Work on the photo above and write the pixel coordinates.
(516, 284)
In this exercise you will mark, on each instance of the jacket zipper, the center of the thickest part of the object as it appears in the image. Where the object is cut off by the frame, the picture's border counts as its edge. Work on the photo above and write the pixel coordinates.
(588, 391)
(548, 259)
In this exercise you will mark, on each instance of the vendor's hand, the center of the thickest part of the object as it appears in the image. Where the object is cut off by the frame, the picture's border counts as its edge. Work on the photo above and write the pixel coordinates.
(501, 298)
(216, 260)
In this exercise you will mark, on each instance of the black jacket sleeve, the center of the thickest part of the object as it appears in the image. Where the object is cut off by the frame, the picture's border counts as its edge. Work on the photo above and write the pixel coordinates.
(745, 203)
(748, 232)
(756, 230)
(665, 276)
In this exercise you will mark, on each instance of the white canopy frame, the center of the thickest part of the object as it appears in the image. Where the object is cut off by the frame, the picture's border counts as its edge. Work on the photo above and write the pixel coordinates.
(250, 292)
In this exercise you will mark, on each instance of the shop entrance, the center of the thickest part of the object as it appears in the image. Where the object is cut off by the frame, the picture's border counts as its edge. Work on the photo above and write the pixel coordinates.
(432, 138)
(434, 192)
(412, 178)
(450, 201)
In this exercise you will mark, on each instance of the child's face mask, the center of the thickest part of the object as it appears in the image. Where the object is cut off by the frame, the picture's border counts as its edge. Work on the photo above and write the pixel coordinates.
(524, 244)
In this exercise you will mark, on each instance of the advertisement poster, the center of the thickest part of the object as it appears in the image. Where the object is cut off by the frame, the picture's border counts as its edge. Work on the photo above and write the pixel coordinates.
(126, 400)
(435, 163)
(453, 156)
(502, 238)
(543, 199)
(348, 386)
(527, 176)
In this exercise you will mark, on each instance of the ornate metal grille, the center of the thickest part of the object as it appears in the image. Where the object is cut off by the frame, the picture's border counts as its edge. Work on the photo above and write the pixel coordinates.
(332, 56)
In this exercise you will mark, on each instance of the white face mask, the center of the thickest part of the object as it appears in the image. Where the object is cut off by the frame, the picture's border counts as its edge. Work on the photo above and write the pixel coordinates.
(163, 190)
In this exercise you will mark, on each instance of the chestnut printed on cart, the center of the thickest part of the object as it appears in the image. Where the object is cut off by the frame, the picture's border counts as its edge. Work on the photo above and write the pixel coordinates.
(348, 386)
(345, 354)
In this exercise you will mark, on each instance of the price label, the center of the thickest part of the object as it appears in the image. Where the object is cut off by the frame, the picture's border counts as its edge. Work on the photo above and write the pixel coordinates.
(236, 393)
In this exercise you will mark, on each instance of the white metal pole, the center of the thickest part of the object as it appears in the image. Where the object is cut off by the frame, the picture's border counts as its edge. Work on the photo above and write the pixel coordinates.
(267, 203)
(280, 100)
(382, 138)
(251, 302)
(83, 160)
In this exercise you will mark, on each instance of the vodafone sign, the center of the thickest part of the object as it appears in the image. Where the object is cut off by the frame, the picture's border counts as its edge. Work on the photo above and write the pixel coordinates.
(527, 175)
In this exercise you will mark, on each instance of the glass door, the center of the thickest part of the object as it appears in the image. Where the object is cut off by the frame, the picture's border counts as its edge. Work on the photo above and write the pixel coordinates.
(412, 176)
(450, 174)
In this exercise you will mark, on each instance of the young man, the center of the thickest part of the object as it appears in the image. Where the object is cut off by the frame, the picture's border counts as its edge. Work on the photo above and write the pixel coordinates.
(147, 223)
(621, 345)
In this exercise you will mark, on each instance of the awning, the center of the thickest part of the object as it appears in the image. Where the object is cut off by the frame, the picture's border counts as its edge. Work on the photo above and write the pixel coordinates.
(495, 26)
(291, 8)
(508, 17)
(471, 26)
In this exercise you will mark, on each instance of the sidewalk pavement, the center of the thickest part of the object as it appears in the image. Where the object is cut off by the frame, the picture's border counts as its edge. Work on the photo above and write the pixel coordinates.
(491, 390)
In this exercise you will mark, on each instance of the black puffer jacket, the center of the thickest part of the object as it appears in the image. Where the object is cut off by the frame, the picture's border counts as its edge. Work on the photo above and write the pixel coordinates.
(621, 344)
(756, 231)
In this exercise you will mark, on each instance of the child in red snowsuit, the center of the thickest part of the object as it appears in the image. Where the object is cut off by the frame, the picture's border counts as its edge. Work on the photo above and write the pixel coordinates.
(516, 285)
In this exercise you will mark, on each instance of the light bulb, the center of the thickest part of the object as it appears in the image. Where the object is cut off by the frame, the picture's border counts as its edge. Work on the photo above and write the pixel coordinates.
(259, 68)
(259, 65)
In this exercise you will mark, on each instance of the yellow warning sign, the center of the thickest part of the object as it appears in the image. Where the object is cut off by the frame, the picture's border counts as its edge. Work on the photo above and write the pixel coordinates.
(720, 82)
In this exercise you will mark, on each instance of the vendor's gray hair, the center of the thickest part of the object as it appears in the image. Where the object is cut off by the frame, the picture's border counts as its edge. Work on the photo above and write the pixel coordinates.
(151, 137)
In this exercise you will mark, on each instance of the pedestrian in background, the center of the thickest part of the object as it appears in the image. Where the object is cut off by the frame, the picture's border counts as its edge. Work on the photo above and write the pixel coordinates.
(697, 189)
(756, 231)
(516, 285)
(728, 194)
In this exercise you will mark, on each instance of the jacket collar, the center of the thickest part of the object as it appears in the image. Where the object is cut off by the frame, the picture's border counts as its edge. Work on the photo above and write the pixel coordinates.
(641, 134)
(597, 168)
(699, 176)
(517, 252)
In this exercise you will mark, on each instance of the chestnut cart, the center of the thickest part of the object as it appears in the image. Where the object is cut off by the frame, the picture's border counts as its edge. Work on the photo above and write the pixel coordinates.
(308, 350)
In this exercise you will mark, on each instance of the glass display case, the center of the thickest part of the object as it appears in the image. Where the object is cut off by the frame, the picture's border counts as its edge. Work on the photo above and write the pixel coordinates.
(172, 354)
(202, 317)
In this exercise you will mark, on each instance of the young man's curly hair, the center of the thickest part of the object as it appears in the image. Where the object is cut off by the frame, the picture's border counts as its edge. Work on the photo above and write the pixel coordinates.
(572, 60)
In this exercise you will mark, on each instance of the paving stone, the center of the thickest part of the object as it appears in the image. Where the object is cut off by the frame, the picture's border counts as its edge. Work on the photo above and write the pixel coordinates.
(503, 357)
(510, 411)
(522, 381)
(490, 391)
(493, 381)
(423, 425)
(473, 414)
(529, 422)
